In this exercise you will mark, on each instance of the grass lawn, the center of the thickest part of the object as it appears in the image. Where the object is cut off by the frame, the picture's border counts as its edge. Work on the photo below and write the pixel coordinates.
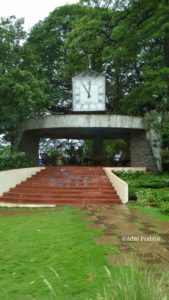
(154, 212)
(50, 255)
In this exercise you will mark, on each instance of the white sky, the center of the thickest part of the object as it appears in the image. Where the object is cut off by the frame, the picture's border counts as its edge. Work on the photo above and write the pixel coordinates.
(31, 10)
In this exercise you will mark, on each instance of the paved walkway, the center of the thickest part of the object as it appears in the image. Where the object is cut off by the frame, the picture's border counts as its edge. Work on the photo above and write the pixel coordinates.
(135, 235)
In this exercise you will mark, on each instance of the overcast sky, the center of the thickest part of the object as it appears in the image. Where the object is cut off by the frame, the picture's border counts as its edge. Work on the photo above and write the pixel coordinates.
(31, 10)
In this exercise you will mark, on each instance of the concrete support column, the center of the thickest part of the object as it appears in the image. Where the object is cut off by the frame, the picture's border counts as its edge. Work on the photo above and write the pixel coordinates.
(29, 143)
(140, 151)
(98, 151)
(155, 141)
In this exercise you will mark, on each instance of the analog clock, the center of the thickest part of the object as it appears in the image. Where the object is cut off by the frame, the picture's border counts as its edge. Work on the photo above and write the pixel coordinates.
(89, 92)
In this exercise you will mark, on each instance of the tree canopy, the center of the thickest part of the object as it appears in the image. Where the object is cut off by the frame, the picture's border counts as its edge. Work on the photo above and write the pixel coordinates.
(129, 43)
(127, 40)
(21, 89)
(46, 40)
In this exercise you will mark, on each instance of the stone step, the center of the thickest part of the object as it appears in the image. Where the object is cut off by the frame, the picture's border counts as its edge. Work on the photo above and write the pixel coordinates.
(57, 197)
(61, 190)
(64, 185)
(63, 201)
(82, 177)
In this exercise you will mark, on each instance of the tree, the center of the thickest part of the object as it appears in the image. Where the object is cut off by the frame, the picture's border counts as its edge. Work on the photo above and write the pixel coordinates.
(46, 40)
(129, 43)
(98, 3)
(21, 91)
(142, 44)
(91, 36)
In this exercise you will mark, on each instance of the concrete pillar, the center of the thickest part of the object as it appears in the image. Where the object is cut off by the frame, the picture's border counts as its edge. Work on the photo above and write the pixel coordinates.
(140, 151)
(155, 141)
(29, 143)
(98, 151)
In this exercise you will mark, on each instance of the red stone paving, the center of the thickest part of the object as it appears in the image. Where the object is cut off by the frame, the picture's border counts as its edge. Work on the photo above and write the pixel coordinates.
(138, 237)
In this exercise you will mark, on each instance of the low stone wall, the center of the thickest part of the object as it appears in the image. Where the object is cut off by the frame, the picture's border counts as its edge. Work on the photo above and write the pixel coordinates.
(10, 178)
(120, 185)
(133, 169)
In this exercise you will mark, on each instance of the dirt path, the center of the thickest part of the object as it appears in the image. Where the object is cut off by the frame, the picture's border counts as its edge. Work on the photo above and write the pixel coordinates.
(134, 234)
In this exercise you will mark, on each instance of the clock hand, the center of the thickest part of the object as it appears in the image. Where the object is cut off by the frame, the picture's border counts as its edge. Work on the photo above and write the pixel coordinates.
(88, 93)
(89, 89)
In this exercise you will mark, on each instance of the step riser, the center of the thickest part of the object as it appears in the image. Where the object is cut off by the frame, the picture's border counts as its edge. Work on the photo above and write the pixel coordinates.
(64, 201)
(60, 189)
(67, 181)
(68, 194)
(51, 184)
(99, 198)
(59, 199)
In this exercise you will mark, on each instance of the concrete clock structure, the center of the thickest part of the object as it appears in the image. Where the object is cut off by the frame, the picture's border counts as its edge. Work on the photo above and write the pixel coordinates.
(89, 97)
(89, 92)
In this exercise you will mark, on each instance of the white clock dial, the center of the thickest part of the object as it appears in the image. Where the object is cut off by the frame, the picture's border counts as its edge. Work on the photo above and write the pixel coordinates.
(89, 92)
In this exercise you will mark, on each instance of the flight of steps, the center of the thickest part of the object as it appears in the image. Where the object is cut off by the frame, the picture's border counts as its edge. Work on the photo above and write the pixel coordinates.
(64, 185)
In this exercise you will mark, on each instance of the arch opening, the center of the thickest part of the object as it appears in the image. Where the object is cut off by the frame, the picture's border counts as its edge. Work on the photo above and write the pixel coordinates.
(96, 151)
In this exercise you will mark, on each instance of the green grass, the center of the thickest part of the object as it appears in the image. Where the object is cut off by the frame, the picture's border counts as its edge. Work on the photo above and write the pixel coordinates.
(151, 211)
(50, 255)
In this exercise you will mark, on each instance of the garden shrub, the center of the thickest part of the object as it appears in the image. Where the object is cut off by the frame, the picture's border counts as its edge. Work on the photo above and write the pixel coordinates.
(144, 197)
(153, 181)
(128, 175)
(144, 180)
(13, 160)
(164, 206)
(147, 188)
(132, 193)
(165, 198)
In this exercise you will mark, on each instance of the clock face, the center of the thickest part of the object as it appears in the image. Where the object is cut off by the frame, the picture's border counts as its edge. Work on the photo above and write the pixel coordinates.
(89, 94)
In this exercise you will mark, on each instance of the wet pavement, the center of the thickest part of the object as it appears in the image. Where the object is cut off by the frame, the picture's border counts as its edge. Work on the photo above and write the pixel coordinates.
(137, 237)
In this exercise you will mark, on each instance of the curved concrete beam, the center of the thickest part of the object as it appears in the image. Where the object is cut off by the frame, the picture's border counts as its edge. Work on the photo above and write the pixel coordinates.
(89, 126)
(84, 121)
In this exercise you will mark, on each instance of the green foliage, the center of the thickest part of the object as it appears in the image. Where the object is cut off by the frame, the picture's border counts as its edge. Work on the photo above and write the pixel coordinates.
(146, 180)
(46, 42)
(88, 148)
(129, 43)
(143, 41)
(114, 146)
(13, 160)
(144, 196)
(21, 91)
(147, 188)
(130, 176)
(164, 206)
